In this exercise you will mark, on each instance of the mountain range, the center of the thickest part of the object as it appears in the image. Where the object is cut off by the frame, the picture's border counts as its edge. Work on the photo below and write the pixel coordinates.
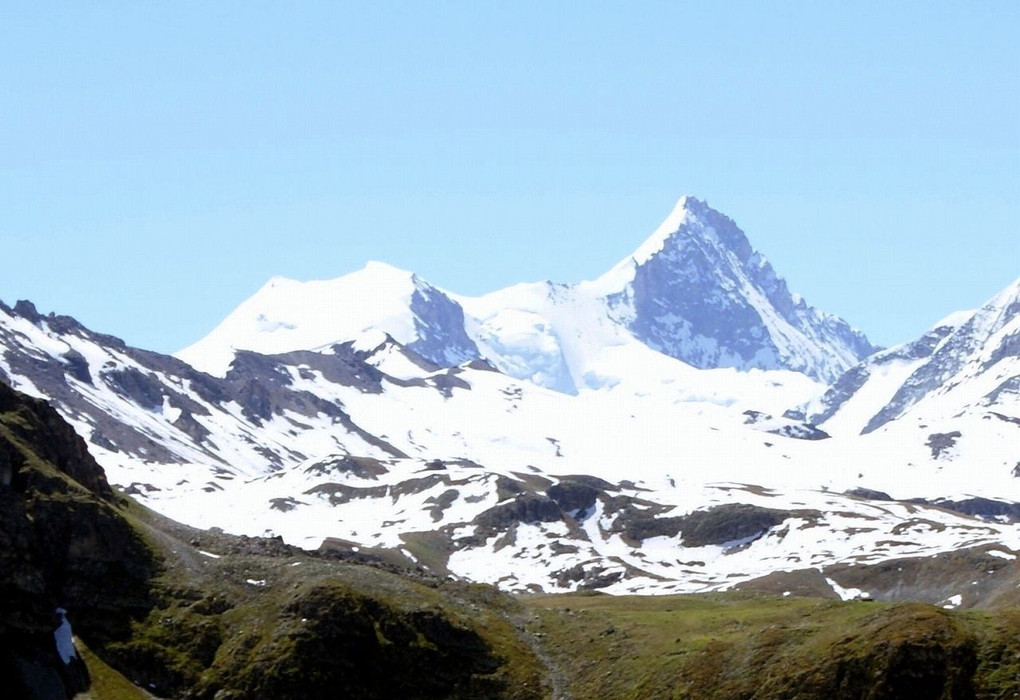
(681, 423)
(694, 291)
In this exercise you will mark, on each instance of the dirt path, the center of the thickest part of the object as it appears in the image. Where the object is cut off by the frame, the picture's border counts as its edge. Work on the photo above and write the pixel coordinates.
(555, 678)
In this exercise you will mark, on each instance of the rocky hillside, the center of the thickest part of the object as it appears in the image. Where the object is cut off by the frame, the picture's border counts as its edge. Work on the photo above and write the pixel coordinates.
(64, 546)
(946, 404)
(187, 614)
(967, 364)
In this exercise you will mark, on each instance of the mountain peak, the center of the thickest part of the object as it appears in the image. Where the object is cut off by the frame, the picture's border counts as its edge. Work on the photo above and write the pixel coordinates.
(691, 219)
(686, 208)
(287, 315)
(696, 290)
(377, 267)
(374, 272)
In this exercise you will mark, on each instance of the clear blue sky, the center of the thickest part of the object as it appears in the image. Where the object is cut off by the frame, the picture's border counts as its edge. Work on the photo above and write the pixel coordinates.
(160, 161)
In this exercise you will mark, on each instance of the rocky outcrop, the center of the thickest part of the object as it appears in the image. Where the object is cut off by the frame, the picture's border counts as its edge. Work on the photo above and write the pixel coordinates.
(145, 596)
(526, 508)
(721, 525)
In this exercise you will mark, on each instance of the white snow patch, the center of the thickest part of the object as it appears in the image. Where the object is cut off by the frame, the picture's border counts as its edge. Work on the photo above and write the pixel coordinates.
(847, 593)
(1001, 555)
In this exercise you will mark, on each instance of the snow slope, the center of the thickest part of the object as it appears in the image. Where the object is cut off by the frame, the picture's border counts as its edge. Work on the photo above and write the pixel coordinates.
(967, 366)
(286, 315)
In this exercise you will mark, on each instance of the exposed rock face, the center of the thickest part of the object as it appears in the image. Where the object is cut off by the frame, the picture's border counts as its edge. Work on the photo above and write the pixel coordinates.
(702, 294)
(573, 495)
(439, 324)
(721, 525)
(851, 381)
(985, 339)
(32, 428)
(729, 523)
(526, 508)
(942, 442)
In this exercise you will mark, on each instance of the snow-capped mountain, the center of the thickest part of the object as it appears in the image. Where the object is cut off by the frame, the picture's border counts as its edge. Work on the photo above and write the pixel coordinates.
(697, 291)
(604, 434)
(694, 291)
(938, 417)
(467, 471)
(967, 365)
(286, 315)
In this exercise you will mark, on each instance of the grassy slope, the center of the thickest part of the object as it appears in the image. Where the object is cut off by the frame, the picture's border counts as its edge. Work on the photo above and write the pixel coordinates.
(287, 624)
(732, 646)
(107, 682)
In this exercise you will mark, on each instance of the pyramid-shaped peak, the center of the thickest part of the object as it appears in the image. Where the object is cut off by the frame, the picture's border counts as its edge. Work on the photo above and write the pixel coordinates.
(690, 218)
(691, 204)
(696, 290)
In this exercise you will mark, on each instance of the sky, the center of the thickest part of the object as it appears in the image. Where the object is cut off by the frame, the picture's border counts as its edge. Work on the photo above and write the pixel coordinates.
(160, 161)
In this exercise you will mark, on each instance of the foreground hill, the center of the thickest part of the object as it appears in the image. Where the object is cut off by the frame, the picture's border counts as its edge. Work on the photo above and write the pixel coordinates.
(182, 613)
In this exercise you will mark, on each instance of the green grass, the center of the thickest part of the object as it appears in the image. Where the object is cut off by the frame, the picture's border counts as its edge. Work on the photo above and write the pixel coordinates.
(107, 683)
(736, 646)
(211, 630)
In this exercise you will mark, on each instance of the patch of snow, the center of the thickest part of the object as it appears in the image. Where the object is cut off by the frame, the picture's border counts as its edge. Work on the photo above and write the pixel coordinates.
(1001, 555)
(846, 593)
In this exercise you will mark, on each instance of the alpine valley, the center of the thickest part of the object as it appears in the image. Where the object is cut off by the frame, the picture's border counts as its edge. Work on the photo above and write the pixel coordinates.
(310, 501)
(683, 423)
